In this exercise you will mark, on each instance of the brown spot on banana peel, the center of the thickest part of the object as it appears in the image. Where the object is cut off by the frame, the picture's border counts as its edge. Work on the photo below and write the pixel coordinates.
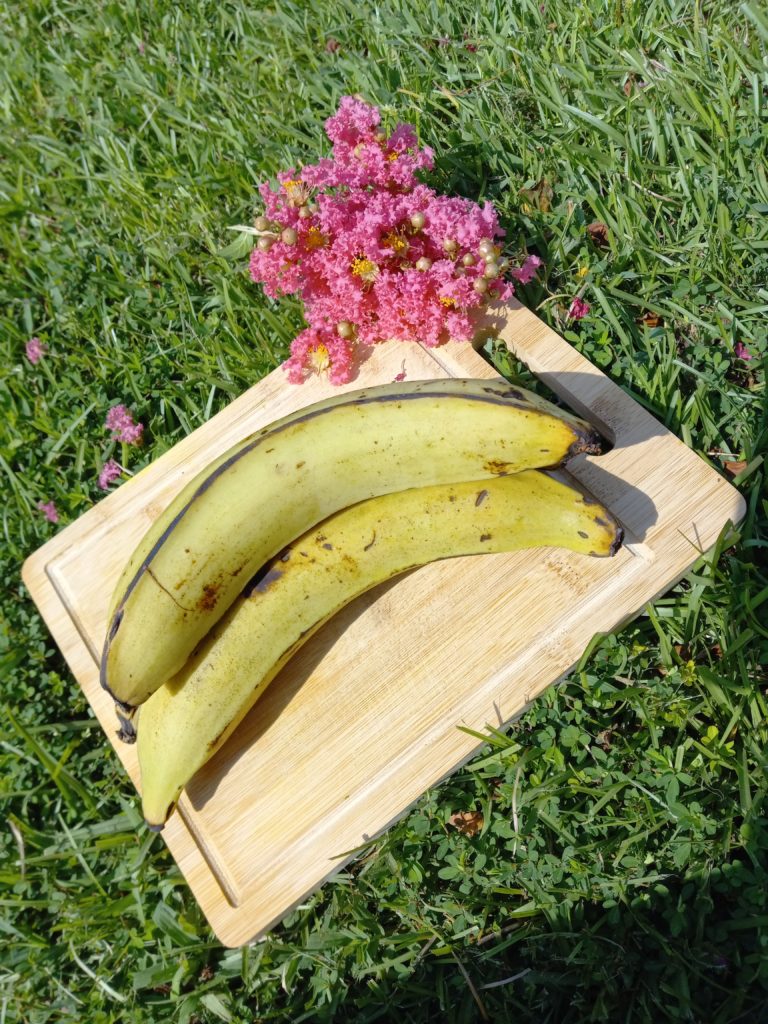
(617, 542)
(485, 536)
(371, 542)
(210, 595)
(212, 743)
(496, 467)
(481, 496)
(505, 392)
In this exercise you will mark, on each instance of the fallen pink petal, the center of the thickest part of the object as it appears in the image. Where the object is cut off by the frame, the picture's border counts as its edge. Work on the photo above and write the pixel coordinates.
(578, 309)
(49, 510)
(110, 472)
(741, 351)
(35, 350)
(526, 273)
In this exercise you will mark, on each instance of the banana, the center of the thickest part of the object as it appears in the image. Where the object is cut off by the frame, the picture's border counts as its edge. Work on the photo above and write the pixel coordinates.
(188, 718)
(276, 484)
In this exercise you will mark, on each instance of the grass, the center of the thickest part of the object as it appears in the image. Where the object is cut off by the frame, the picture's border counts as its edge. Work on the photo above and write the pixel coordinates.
(621, 872)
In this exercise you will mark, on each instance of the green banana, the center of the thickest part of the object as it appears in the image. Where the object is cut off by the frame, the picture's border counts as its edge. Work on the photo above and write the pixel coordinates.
(276, 484)
(188, 718)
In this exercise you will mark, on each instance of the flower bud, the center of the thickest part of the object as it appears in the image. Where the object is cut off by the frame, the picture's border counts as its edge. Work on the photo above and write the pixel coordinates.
(451, 246)
(468, 260)
(424, 263)
(289, 236)
(491, 271)
(261, 224)
(264, 243)
(486, 247)
(480, 286)
(344, 329)
(418, 220)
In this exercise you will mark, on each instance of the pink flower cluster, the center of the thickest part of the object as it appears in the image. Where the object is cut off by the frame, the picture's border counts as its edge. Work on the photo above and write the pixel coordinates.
(373, 253)
(110, 472)
(35, 350)
(120, 421)
(49, 510)
(578, 309)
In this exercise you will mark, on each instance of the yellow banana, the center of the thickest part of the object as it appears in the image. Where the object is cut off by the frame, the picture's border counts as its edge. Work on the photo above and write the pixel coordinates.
(276, 484)
(184, 722)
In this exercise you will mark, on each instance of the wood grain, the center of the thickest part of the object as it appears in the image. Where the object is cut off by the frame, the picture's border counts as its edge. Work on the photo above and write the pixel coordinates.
(366, 717)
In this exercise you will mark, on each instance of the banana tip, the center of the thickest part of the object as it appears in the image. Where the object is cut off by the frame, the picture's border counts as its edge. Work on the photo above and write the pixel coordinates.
(154, 828)
(127, 731)
(587, 443)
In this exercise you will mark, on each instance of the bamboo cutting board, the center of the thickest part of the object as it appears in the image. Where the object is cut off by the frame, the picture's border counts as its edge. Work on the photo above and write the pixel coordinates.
(366, 717)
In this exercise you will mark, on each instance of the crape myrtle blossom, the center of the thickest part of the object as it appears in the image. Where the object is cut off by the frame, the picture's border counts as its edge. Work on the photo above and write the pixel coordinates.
(578, 309)
(49, 510)
(373, 253)
(741, 351)
(120, 421)
(110, 471)
(35, 350)
(527, 272)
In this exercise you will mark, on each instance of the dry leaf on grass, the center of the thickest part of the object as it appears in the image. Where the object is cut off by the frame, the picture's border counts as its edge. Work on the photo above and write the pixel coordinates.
(468, 823)
(598, 232)
(540, 195)
(650, 319)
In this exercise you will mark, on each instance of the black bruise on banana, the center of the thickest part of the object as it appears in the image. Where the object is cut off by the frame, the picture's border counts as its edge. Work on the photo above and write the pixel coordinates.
(589, 442)
(262, 581)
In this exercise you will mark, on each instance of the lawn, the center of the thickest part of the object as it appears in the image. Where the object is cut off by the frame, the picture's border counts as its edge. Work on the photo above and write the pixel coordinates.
(621, 873)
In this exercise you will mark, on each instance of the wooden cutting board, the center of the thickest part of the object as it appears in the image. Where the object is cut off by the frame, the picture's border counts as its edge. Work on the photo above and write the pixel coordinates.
(366, 717)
